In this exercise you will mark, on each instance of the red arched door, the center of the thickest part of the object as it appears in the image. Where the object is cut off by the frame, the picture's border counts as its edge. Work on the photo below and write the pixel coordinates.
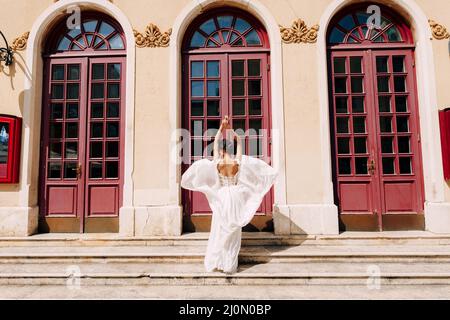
(225, 72)
(81, 170)
(375, 123)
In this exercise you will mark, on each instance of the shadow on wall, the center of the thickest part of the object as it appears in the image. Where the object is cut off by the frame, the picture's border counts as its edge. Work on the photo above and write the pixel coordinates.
(11, 71)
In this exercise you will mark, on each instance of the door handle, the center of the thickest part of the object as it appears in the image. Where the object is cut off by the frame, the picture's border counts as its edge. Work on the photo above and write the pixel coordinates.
(78, 170)
(372, 167)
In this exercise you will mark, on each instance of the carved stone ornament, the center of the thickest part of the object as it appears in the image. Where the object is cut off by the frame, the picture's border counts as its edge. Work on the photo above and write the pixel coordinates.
(152, 37)
(20, 43)
(299, 33)
(438, 30)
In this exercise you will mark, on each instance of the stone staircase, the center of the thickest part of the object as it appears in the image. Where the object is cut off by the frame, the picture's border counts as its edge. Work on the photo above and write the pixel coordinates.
(387, 259)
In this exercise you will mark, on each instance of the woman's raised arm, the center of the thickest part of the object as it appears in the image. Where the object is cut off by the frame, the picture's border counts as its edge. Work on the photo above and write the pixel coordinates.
(223, 126)
(238, 146)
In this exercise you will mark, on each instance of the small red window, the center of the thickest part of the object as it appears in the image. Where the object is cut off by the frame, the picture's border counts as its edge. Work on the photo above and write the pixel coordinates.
(10, 138)
(444, 117)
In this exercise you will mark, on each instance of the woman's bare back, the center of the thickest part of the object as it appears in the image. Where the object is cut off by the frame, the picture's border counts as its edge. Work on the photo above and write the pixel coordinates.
(228, 169)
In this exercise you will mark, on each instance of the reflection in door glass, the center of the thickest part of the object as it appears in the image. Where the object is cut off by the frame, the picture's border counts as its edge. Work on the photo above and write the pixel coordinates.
(358, 104)
(355, 65)
(72, 110)
(361, 165)
(388, 165)
(197, 69)
(254, 107)
(359, 124)
(344, 166)
(343, 146)
(386, 145)
(95, 170)
(71, 150)
(70, 170)
(212, 68)
(213, 108)
(54, 151)
(237, 68)
(384, 103)
(360, 145)
(339, 65)
(405, 165)
(254, 68)
(54, 170)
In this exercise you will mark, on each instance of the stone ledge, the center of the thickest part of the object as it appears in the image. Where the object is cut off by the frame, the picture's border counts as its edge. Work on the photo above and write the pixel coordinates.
(158, 221)
(437, 217)
(18, 221)
(317, 219)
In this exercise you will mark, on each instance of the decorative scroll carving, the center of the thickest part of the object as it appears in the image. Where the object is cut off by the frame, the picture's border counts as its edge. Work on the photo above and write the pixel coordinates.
(299, 33)
(152, 37)
(20, 43)
(438, 30)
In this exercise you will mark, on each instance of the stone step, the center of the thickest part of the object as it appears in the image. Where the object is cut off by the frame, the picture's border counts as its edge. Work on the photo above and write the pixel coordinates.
(226, 292)
(413, 238)
(248, 254)
(287, 274)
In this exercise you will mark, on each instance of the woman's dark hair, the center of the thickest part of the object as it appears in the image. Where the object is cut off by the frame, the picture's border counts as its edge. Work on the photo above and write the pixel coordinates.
(228, 146)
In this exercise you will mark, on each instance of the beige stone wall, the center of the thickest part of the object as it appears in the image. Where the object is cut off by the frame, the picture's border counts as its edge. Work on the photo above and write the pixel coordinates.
(438, 10)
(152, 137)
(12, 78)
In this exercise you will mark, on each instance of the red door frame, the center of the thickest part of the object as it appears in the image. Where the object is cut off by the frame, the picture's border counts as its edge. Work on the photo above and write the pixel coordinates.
(67, 222)
(89, 215)
(200, 220)
(372, 181)
(105, 221)
(415, 153)
(356, 41)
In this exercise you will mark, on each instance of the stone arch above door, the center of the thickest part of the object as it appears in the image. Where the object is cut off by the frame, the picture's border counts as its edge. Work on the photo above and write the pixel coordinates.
(33, 98)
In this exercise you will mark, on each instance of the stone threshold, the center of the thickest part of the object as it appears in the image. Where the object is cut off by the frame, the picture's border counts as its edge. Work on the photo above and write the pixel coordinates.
(245, 236)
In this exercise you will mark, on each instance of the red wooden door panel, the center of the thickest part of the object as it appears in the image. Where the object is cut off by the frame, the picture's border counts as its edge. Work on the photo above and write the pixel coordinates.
(82, 149)
(376, 135)
(225, 72)
(82, 136)
(206, 99)
(219, 85)
(398, 126)
(248, 104)
(355, 143)
(63, 143)
(104, 153)
(381, 187)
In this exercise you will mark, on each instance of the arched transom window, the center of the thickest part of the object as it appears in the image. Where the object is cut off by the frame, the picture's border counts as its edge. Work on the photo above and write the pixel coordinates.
(94, 34)
(360, 27)
(226, 30)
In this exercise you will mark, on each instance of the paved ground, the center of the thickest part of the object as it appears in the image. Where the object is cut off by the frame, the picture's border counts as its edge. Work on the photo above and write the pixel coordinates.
(225, 292)
(412, 266)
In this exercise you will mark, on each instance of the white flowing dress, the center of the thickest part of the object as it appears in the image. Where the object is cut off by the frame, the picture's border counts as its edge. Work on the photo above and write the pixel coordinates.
(233, 201)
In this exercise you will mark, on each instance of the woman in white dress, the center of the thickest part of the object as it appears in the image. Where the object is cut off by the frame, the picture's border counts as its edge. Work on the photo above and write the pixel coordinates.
(234, 185)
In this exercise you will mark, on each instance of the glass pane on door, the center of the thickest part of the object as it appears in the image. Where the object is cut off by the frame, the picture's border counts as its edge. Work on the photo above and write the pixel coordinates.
(104, 109)
(247, 101)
